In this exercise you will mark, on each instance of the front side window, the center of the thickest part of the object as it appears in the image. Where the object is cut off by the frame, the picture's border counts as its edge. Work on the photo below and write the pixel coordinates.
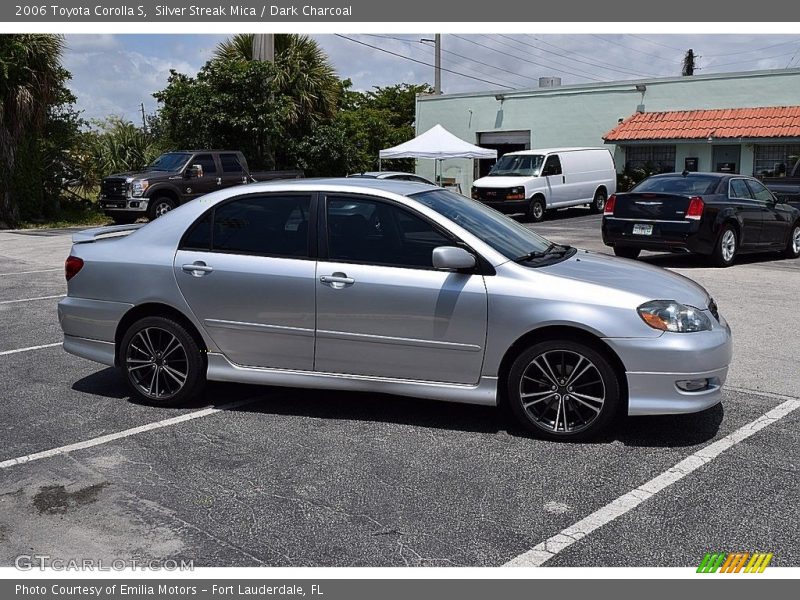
(170, 161)
(368, 231)
(760, 193)
(261, 225)
(207, 162)
(552, 166)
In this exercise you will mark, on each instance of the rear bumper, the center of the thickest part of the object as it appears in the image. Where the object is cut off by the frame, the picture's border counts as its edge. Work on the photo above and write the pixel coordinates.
(84, 318)
(94, 350)
(667, 236)
(655, 366)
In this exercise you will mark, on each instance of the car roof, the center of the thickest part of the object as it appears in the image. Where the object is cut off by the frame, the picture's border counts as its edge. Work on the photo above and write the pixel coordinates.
(698, 174)
(395, 186)
(382, 174)
(552, 150)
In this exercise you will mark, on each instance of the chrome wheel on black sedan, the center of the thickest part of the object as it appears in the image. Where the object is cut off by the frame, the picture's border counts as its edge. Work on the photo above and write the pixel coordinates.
(563, 389)
(793, 246)
(162, 362)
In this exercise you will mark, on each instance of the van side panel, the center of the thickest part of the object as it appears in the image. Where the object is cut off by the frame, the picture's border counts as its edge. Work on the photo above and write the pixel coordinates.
(584, 172)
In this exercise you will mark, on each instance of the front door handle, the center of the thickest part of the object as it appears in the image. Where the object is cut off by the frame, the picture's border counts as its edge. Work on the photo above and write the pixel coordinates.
(197, 268)
(337, 280)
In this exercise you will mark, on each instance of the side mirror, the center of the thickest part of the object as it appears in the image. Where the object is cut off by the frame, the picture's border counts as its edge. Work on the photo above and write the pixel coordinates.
(452, 258)
(194, 171)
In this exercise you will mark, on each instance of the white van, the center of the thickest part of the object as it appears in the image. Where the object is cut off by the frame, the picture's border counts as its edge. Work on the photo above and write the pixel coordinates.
(534, 181)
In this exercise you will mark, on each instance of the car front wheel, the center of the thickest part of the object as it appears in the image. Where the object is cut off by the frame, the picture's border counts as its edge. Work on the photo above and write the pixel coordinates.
(158, 207)
(161, 361)
(536, 210)
(563, 390)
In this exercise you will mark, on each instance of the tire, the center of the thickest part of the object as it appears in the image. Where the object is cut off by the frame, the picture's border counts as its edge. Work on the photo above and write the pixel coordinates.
(598, 204)
(158, 371)
(792, 249)
(627, 252)
(726, 247)
(540, 368)
(536, 210)
(124, 219)
(159, 206)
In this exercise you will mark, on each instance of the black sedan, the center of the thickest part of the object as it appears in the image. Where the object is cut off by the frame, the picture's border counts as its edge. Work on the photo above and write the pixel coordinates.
(715, 214)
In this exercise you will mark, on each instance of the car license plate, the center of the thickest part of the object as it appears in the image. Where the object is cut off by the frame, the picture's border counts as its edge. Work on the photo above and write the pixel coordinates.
(642, 229)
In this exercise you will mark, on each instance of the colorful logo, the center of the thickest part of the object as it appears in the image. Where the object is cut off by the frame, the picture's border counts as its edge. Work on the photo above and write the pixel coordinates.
(734, 562)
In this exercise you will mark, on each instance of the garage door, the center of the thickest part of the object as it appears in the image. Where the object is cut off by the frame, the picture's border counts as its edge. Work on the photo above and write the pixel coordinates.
(505, 137)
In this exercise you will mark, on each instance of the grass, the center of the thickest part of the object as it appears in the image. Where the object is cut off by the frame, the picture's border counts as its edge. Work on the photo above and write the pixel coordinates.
(72, 215)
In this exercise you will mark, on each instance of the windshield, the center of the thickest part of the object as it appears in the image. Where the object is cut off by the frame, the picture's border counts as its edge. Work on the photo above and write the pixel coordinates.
(171, 161)
(502, 233)
(524, 165)
(678, 184)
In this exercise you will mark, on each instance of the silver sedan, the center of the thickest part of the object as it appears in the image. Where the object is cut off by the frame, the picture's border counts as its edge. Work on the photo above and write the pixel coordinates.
(391, 287)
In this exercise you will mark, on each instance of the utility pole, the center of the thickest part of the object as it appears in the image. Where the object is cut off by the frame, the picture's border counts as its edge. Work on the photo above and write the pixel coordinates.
(144, 120)
(689, 63)
(437, 71)
(264, 47)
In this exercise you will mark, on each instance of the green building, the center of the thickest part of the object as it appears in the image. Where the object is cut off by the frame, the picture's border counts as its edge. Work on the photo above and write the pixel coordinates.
(672, 123)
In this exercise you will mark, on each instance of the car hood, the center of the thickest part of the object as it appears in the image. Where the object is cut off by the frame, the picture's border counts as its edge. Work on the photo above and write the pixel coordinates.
(500, 182)
(137, 174)
(634, 277)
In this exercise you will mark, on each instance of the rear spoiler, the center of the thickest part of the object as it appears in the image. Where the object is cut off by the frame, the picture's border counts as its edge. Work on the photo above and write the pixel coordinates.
(99, 233)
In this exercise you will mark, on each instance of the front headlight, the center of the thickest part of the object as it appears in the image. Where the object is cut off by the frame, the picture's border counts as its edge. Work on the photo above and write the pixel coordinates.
(668, 315)
(139, 186)
(516, 193)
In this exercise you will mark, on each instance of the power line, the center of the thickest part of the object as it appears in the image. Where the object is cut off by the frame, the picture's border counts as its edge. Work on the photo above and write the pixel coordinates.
(655, 42)
(753, 49)
(421, 62)
(630, 48)
(749, 60)
(526, 59)
(602, 65)
(475, 60)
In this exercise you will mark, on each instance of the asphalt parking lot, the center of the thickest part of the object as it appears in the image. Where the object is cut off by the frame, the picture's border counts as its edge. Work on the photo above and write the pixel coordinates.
(281, 477)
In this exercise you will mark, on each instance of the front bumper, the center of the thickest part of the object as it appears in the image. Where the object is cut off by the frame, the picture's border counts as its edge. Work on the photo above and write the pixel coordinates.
(654, 366)
(118, 206)
(508, 207)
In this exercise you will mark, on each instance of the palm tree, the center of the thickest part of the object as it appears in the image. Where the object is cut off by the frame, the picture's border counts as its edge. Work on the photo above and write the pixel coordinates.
(302, 72)
(30, 75)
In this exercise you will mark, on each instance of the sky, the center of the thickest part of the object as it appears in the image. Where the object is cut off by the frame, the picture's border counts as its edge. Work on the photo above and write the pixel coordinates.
(113, 74)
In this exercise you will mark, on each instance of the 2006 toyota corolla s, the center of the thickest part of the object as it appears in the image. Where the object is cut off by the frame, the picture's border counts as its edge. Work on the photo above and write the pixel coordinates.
(395, 287)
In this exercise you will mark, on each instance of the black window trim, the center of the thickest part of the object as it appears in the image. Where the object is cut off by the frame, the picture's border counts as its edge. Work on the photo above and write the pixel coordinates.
(311, 250)
(482, 266)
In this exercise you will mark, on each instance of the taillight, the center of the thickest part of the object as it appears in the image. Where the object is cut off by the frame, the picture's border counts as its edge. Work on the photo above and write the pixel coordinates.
(72, 265)
(695, 210)
(609, 209)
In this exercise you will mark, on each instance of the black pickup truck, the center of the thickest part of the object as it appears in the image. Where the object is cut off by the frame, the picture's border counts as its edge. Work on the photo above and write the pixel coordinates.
(174, 178)
(786, 188)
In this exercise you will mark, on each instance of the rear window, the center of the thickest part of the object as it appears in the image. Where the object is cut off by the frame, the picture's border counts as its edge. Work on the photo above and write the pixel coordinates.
(691, 185)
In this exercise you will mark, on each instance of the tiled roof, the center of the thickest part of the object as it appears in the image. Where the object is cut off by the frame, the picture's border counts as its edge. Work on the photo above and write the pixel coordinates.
(768, 122)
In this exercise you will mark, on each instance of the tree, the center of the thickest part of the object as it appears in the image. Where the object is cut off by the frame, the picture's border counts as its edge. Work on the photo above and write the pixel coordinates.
(30, 80)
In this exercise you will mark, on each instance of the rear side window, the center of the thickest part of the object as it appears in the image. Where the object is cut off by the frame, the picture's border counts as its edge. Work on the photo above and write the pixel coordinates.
(739, 189)
(230, 163)
(259, 225)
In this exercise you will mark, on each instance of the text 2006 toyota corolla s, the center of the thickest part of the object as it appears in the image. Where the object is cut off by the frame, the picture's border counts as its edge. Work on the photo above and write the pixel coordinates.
(392, 287)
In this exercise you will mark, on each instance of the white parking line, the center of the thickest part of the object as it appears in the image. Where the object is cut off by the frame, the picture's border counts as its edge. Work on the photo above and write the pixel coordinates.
(104, 439)
(29, 272)
(31, 299)
(549, 548)
(29, 348)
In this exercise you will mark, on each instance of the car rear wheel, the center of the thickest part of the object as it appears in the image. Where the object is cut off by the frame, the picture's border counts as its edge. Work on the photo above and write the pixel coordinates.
(727, 246)
(563, 390)
(793, 245)
(159, 206)
(536, 210)
(598, 205)
(627, 252)
(162, 363)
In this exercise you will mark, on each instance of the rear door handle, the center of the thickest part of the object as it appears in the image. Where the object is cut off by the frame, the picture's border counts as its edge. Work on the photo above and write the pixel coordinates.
(198, 268)
(337, 280)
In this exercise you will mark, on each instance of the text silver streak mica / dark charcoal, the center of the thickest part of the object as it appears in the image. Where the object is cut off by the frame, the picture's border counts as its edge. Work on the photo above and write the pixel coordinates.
(391, 287)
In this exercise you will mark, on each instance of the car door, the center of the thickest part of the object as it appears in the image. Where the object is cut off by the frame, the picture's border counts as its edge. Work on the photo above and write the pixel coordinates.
(246, 271)
(554, 176)
(748, 210)
(232, 171)
(776, 220)
(208, 180)
(382, 309)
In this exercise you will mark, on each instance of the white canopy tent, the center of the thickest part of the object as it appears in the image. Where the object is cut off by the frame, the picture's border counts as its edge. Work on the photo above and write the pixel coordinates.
(436, 143)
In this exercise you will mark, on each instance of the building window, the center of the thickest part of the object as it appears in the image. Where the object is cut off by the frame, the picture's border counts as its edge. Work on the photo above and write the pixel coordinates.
(774, 160)
(651, 158)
